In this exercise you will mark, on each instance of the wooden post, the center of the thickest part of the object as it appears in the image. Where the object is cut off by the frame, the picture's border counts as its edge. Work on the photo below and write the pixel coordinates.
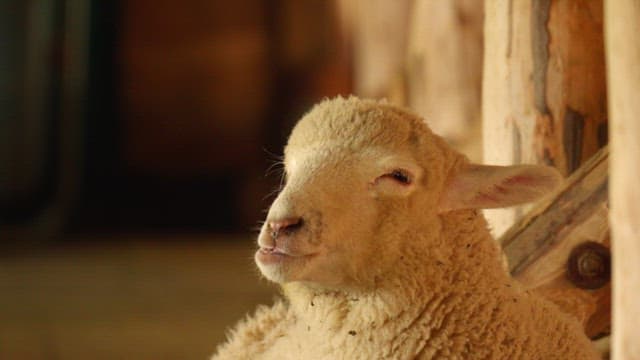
(424, 54)
(444, 70)
(378, 33)
(544, 94)
(623, 59)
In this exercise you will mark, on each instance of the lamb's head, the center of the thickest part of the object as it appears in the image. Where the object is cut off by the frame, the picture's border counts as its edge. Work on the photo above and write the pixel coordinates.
(360, 178)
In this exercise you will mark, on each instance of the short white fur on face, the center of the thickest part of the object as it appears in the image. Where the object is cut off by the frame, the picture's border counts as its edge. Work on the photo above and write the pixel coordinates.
(359, 174)
(340, 202)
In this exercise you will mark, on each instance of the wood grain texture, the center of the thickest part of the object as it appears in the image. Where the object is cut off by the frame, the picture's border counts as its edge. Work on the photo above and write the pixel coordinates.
(544, 93)
(539, 245)
(623, 77)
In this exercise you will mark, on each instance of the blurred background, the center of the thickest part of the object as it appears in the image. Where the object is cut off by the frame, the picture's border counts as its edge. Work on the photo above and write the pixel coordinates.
(135, 138)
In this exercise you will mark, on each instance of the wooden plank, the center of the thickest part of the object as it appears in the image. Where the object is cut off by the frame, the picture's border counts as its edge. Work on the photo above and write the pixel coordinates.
(623, 60)
(543, 245)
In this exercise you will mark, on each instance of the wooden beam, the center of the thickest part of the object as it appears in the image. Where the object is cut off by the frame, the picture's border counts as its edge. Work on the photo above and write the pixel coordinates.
(561, 248)
(378, 33)
(622, 22)
(444, 70)
(544, 93)
(424, 54)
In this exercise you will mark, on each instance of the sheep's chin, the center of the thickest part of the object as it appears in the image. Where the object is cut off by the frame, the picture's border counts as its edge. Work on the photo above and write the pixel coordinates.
(281, 268)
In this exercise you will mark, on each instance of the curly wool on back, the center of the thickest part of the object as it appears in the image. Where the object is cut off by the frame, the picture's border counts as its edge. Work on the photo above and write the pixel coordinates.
(396, 270)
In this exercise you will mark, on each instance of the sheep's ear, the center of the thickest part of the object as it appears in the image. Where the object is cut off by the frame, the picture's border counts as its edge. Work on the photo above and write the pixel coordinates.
(487, 187)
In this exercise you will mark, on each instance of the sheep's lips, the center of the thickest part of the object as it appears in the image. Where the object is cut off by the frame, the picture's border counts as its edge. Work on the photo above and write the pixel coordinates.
(274, 256)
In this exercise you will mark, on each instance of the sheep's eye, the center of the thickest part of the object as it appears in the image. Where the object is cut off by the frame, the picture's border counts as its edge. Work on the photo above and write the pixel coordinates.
(400, 176)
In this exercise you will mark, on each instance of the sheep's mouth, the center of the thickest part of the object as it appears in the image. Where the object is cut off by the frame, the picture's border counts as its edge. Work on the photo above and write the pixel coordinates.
(268, 256)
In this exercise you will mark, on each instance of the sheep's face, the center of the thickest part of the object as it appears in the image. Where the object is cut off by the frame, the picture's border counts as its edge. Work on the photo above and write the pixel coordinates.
(362, 180)
(352, 184)
(327, 225)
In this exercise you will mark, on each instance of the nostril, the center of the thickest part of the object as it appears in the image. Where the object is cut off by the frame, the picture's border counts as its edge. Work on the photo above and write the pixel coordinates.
(288, 226)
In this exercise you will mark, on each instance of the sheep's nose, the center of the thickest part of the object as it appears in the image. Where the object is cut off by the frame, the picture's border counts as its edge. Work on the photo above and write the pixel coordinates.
(287, 226)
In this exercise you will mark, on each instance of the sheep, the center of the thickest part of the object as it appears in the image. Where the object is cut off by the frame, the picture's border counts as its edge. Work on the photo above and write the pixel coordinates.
(380, 249)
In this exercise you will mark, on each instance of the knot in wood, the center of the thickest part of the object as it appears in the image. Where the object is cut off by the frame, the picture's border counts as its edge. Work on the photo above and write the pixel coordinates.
(589, 265)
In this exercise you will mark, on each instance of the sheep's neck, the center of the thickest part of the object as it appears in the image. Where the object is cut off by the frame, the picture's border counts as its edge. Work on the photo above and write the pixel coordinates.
(420, 283)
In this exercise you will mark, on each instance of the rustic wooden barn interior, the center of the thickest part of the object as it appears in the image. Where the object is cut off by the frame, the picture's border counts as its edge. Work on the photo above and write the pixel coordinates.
(139, 133)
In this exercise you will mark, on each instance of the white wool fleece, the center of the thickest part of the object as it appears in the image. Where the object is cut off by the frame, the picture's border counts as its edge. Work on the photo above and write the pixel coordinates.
(381, 252)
